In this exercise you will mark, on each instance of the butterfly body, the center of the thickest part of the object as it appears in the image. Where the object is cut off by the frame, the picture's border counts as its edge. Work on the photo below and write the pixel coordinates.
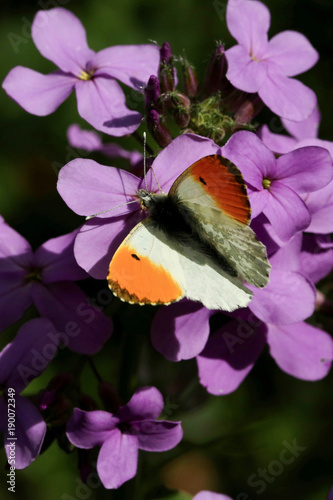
(196, 243)
(173, 218)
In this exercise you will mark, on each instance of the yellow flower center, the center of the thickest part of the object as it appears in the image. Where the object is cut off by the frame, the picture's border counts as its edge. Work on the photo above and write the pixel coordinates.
(86, 75)
(34, 275)
(266, 183)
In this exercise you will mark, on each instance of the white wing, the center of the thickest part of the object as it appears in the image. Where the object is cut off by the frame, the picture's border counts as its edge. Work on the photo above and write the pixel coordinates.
(151, 267)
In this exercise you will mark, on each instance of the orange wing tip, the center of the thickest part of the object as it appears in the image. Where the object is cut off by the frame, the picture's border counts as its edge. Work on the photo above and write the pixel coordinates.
(222, 180)
(125, 296)
(138, 280)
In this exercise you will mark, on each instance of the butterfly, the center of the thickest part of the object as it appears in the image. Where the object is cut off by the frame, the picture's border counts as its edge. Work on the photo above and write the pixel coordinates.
(195, 243)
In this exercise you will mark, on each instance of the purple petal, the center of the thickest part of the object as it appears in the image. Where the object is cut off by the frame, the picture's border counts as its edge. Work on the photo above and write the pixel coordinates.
(30, 430)
(131, 64)
(146, 403)
(251, 156)
(287, 97)
(15, 251)
(266, 234)
(157, 436)
(89, 188)
(209, 495)
(180, 331)
(27, 356)
(86, 429)
(101, 102)
(118, 459)
(296, 169)
(277, 142)
(292, 52)
(320, 205)
(15, 297)
(60, 37)
(288, 298)
(98, 240)
(16, 258)
(258, 201)
(305, 129)
(315, 262)
(244, 72)
(176, 157)
(286, 258)
(80, 326)
(286, 211)
(36, 93)
(249, 22)
(230, 355)
(87, 140)
(316, 142)
(301, 350)
(56, 258)
(83, 139)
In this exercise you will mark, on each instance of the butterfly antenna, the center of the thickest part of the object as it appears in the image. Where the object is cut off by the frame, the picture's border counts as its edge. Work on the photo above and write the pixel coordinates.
(110, 209)
(145, 165)
(144, 159)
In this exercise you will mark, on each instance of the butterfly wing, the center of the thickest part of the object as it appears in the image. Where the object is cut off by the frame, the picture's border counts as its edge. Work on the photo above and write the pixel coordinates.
(152, 267)
(213, 198)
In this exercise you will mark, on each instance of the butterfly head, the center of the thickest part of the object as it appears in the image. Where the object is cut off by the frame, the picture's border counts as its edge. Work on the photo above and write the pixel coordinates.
(146, 198)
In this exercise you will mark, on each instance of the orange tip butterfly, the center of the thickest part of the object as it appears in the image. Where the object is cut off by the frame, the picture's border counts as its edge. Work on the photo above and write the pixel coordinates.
(196, 243)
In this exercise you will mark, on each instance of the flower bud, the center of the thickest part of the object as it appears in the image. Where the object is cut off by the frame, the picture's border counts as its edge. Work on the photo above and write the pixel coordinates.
(215, 79)
(167, 71)
(152, 93)
(179, 104)
(165, 53)
(157, 129)
(251, 106)
(190, 79)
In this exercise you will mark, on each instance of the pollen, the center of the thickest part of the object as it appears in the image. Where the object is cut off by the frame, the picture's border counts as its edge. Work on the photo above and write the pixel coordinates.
(34, 275)
(266, 183)
(86, 75)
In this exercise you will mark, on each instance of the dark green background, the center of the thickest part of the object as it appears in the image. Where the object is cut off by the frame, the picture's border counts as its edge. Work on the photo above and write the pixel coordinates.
(231, 437)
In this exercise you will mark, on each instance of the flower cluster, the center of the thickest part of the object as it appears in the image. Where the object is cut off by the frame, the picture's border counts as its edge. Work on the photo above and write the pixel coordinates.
(289, 182)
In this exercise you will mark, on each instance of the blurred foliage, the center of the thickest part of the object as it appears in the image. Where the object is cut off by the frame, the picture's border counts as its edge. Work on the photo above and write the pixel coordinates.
(226, 439)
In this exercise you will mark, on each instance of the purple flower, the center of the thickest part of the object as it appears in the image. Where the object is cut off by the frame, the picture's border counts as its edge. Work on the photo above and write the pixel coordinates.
(89, 188)
(275, 185)
(181, 330)
(23, 359)
(275, 316)
(121, 435)
(299, 349)
(60, 37)
(316, 256)
(87, 140)
(307, 254)
(209, 495)
(302, 134)
(265, 67)
(45, 278)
